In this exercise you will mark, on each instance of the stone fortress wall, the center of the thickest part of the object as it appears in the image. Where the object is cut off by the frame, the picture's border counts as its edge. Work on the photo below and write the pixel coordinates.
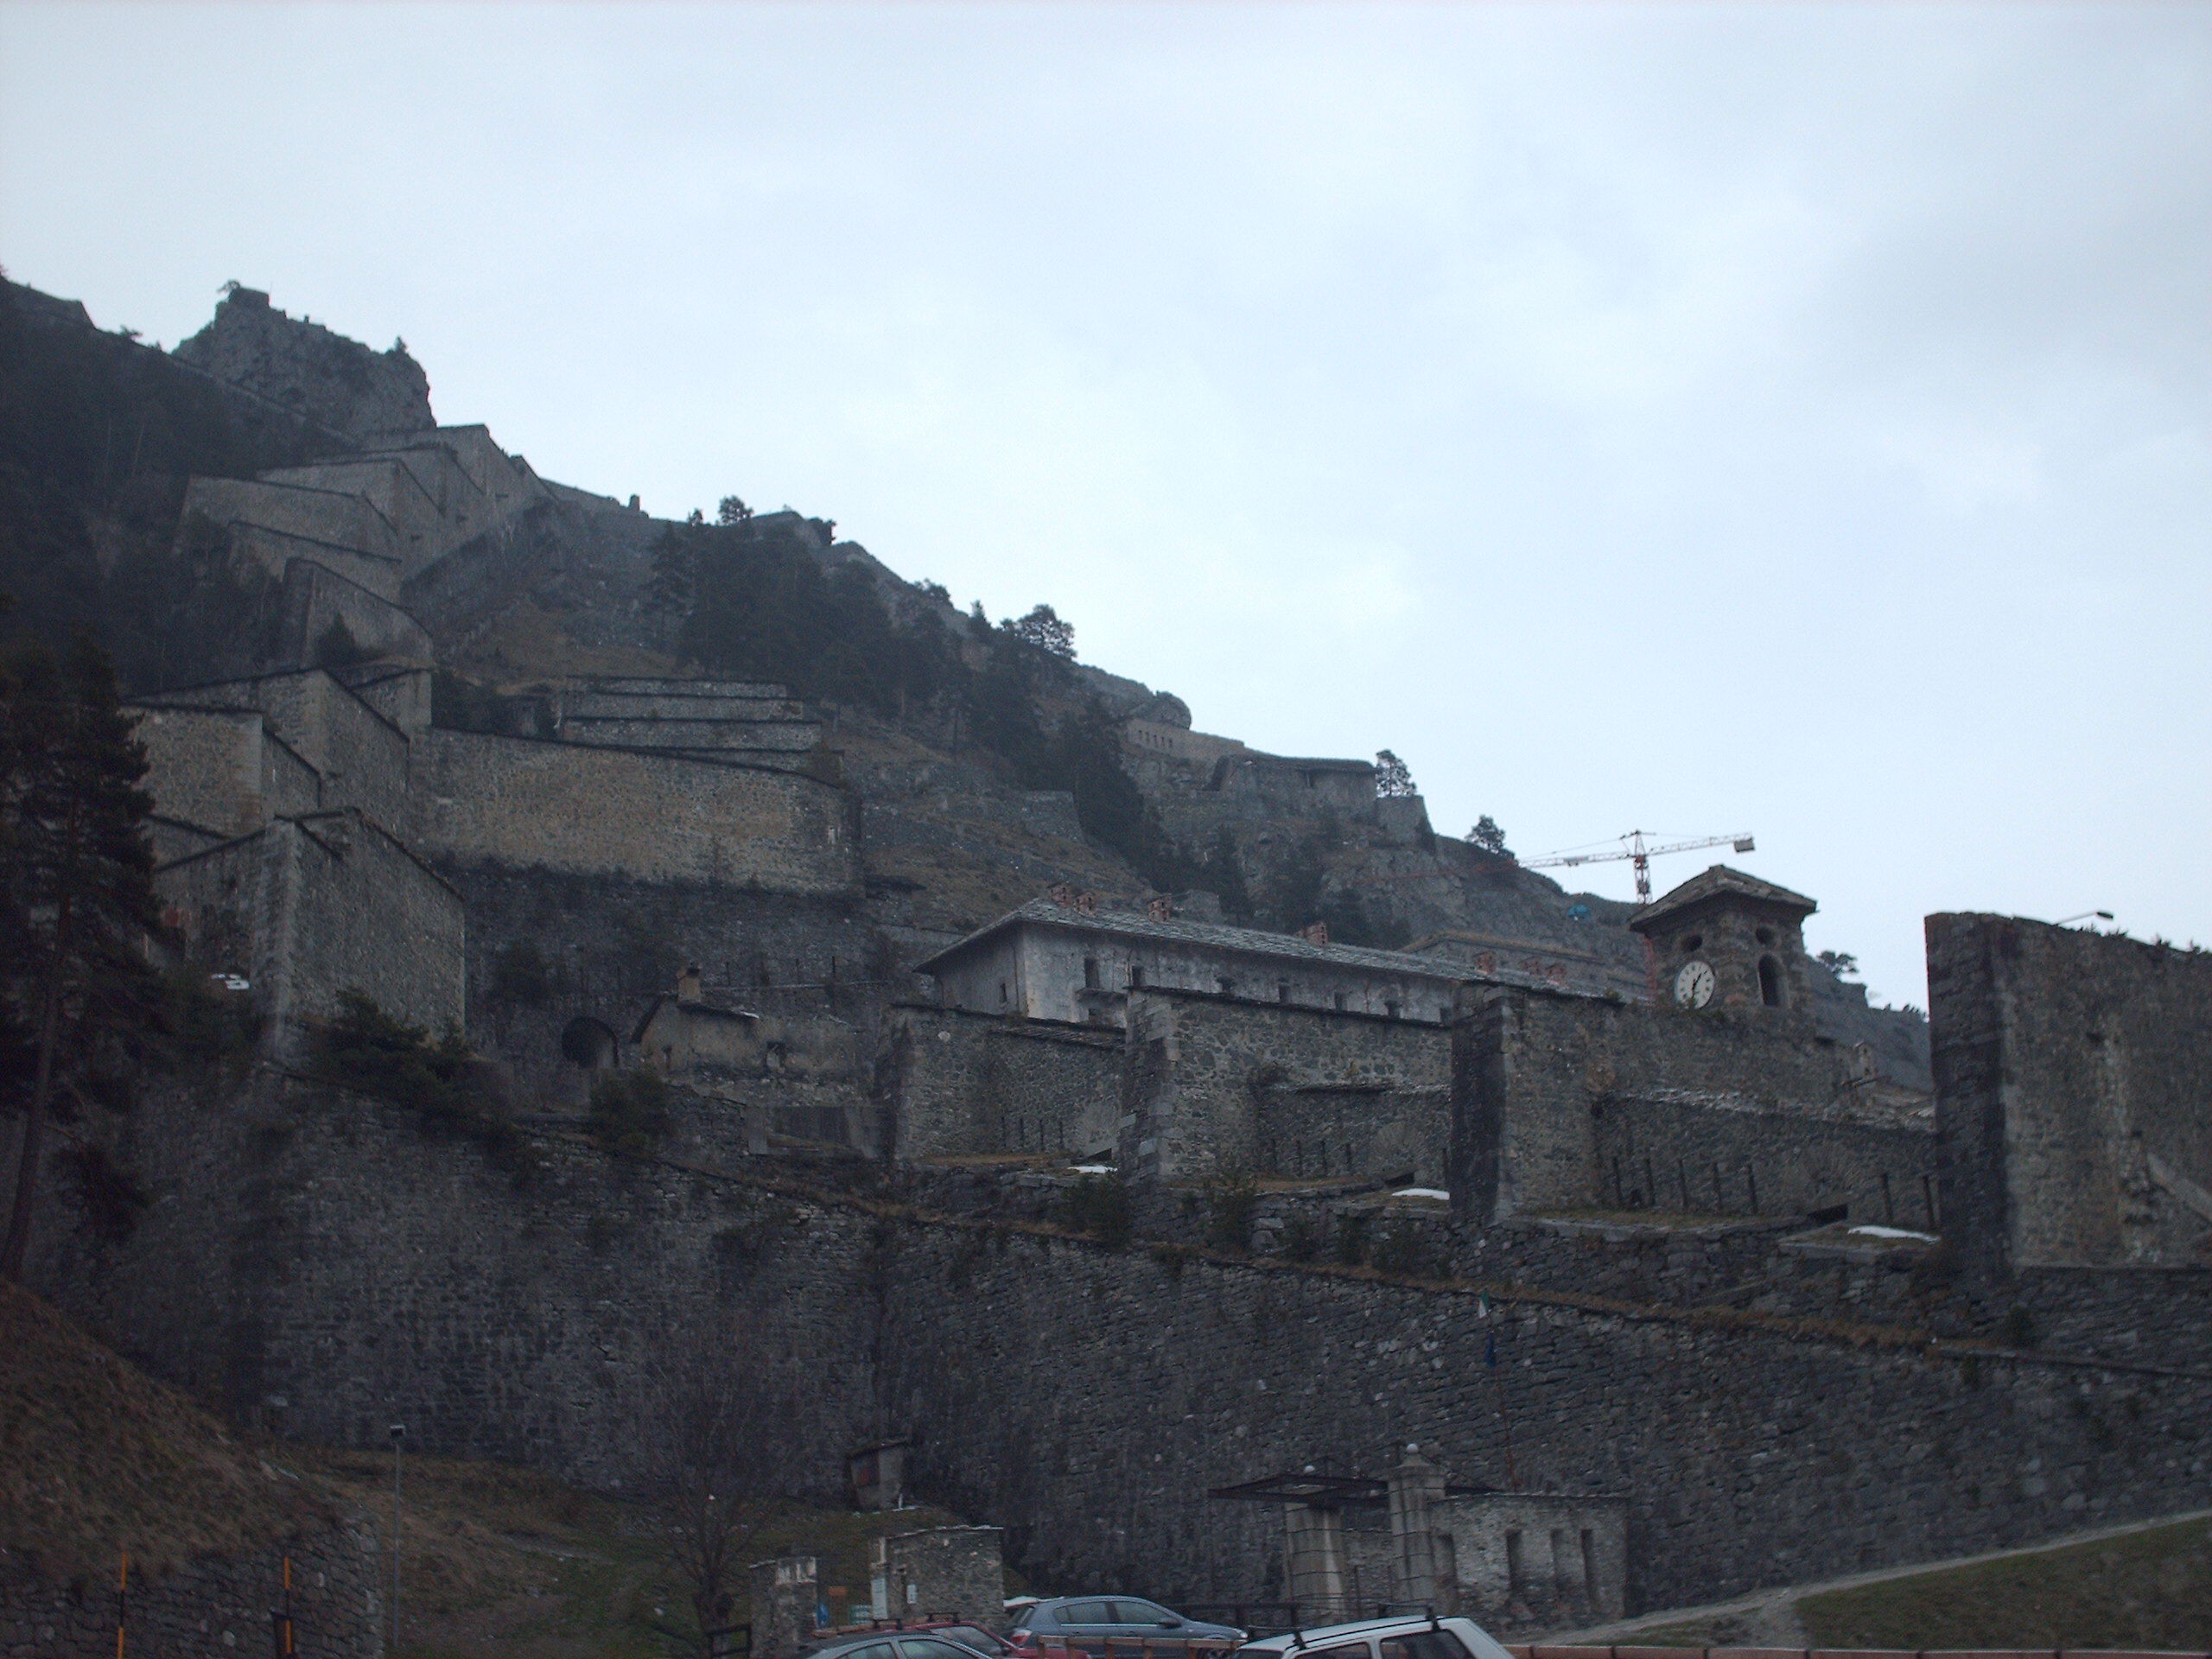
(961, 1084)
(643, 816)
(1215, 1087)
(213, 1604)
(1563, 1101)
(511, 1314)
(2075, 1071)
(313, 906)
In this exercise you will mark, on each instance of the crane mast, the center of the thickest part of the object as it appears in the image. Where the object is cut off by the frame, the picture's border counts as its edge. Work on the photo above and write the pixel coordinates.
(1636, 847)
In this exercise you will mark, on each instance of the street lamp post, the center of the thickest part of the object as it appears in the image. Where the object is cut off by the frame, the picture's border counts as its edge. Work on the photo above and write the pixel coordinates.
(398, 1434)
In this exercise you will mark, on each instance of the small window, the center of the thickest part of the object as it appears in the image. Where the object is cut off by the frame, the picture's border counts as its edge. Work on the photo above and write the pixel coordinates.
(1764, 935)
(1338, 999)
(1424, 1645)
(1282, 990)
(1770, 982)
(1225, 985)
(1136, 977)
(1692, 943)
(1390, 1007)
(1091, 973)
(1003, 996)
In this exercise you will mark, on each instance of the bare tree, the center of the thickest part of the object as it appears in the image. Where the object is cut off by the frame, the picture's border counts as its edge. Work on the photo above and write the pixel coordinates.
(714, 1457)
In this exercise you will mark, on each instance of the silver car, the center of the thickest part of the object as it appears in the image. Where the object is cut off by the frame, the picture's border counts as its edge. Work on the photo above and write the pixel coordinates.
(1421, 1637)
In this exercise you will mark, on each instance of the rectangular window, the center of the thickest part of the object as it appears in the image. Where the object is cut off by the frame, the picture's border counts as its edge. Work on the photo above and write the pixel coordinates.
(1136, 976)
(1424, 1645)
(1339, 1001)
(1516, 1567)
(1282, 990)
(1091, 973)
(1225, 985)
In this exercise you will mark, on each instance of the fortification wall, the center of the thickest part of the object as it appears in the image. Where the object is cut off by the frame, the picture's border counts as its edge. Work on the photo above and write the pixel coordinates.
(1532, 1068)
(1725, 1155)
(363, 758)
(1218, 1085)
(523, 1312)
(596, 811)
(278, 550)
(309, 907)
(2072, 1071)
(962, 1083)
(222, 769)
(608, 947)
(334, 518)
(315, 596)
(211, 1605)
(771, 741)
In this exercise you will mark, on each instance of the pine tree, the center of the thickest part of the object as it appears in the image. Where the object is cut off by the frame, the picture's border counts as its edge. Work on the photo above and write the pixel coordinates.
(76, 901)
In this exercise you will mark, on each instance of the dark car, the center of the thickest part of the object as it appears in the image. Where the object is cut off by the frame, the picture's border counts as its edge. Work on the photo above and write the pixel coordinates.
(1092, 1622)
(937, 1641)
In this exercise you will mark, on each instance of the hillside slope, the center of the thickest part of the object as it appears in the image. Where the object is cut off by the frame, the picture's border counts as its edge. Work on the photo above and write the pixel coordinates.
(97, 1457)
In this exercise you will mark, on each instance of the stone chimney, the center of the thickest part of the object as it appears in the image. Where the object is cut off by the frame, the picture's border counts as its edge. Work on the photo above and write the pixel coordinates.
(690, 986)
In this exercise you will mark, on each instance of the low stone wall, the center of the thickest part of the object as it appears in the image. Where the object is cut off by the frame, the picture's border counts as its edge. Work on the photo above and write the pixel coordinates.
(207, 1606)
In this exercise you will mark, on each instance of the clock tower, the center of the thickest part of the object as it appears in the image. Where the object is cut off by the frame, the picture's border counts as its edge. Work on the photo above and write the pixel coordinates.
(1728, 940)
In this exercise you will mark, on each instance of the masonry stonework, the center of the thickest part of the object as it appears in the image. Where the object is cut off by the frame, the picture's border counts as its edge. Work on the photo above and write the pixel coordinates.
(2072, 1070)
(638, 815)
(210, 1605)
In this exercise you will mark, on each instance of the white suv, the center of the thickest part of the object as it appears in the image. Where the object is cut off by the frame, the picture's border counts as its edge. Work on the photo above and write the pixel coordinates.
(1421, 1637)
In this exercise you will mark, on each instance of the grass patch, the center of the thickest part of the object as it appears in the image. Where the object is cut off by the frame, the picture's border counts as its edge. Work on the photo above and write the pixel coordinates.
(2150, 1589)
(499, 1562)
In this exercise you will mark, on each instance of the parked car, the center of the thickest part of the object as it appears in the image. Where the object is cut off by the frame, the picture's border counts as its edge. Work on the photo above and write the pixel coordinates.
(1090, 1622)
(1418, 1637)
(931, 1640)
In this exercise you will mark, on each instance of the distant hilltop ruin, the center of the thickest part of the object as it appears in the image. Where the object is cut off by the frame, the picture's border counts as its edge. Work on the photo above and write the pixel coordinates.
(338, 383)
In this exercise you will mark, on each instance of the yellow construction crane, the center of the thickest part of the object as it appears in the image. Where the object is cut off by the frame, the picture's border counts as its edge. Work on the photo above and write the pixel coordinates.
(1634, 845)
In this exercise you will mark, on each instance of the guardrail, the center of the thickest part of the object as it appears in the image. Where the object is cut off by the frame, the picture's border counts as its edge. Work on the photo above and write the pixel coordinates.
(1541, 1650)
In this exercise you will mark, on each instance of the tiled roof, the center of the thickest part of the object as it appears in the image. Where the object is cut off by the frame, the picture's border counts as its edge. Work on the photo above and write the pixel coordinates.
(1718, 882)
(1249, 941)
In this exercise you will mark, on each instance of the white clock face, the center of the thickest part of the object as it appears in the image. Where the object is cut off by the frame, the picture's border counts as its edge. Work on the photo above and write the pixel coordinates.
(1694, 985)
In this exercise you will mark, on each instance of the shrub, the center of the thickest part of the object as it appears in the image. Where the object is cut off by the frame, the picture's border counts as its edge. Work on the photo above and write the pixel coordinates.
(1230, 1201)
(1100, 1206)
(1351, 1239)
(368, 1051)
(1404, 1250)
(629, 1113)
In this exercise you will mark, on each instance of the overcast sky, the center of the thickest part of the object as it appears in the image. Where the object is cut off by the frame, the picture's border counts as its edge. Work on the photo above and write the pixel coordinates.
(1782, 419)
